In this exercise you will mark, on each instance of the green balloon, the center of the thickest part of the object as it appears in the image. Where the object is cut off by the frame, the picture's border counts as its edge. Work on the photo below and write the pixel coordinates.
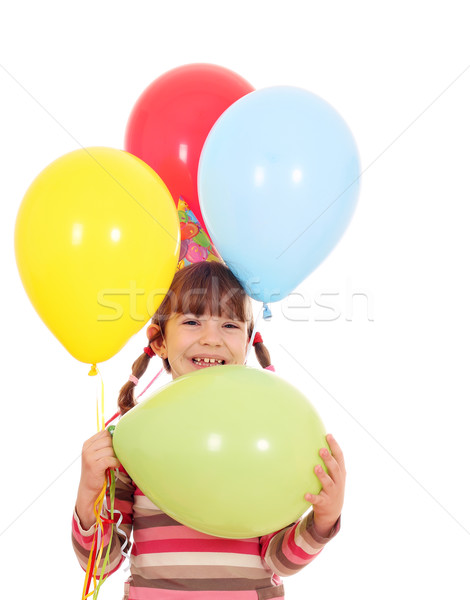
(202, 239)
(182, 216)
(229, 451)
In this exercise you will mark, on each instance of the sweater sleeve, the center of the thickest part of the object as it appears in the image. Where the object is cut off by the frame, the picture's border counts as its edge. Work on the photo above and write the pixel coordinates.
(82, 539)
(292, 548)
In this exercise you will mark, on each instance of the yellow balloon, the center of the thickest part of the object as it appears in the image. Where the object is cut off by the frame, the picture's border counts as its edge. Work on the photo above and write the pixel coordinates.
(97, 243)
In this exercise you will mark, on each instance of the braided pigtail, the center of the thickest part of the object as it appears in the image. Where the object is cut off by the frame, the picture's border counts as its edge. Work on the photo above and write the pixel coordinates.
(262, 353)
(126, 399)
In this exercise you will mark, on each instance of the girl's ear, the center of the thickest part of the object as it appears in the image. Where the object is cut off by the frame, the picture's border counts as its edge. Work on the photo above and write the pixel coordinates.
(158, 343)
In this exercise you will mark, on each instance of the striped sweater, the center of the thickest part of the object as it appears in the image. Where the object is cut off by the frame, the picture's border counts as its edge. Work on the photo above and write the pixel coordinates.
(170, 561)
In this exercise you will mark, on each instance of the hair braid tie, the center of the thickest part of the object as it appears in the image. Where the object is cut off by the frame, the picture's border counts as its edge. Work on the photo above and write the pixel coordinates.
(257, 339)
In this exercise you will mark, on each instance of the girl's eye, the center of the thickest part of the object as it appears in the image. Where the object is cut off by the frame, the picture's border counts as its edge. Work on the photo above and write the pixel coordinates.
(190, 322)
(231, 325)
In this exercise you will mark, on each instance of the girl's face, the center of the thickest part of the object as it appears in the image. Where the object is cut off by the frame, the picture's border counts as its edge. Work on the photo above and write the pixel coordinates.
(192, 343)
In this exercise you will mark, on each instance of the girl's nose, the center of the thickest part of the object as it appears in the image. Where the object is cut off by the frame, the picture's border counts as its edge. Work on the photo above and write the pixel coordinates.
(210, 332)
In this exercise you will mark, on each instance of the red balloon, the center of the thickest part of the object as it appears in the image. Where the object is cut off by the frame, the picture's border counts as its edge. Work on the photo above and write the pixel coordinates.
(188, 230)
(171, 120)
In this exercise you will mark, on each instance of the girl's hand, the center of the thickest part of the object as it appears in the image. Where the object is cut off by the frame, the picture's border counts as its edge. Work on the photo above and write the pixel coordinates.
(97, 456)
(327, 505)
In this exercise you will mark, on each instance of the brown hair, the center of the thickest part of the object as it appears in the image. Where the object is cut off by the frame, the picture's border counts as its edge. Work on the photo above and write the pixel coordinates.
(201, 286)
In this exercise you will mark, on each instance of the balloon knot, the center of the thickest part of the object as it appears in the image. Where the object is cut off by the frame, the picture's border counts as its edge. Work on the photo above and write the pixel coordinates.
(267, 314)
(93, 370)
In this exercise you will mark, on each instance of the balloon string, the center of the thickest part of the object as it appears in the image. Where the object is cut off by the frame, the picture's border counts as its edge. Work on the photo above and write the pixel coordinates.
(100, 531)
(97, 546)
(100, 404)
(154, 379)
(98, 537)
(91, 560)
(119, 520)
(112, 487)
(116, 415)
(124, 553)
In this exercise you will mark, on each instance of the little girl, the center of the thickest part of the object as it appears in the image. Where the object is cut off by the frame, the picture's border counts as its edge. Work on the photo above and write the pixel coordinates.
(204, 321)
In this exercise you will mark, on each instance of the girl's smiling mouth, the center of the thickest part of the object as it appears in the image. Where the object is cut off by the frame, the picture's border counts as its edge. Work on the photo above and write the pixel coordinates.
(208, 362)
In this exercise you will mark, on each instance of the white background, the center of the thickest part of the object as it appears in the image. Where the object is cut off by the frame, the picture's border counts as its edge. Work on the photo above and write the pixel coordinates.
(386, 365)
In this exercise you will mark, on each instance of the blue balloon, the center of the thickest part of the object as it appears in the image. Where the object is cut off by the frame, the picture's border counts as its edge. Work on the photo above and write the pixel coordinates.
(278, 182)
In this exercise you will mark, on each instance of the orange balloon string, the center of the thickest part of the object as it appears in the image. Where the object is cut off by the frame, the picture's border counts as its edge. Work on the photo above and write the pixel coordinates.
(97, 509)
(95, 557)
(91, 561)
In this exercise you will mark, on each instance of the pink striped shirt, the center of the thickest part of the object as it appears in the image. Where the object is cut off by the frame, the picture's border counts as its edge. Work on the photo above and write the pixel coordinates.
(170, 561)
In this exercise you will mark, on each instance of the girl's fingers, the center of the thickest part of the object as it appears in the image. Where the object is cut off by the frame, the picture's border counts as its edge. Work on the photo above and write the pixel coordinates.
(324, 478)
(96, 461)
(311, 498)
(335, 450)
(103, 453)
(110, 463)
(102, 439)
(330, 463)
(316, 500)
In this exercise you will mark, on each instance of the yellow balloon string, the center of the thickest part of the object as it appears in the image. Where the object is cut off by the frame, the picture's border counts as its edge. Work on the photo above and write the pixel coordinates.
(92, 565)
(97, 510)
(99, 413)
